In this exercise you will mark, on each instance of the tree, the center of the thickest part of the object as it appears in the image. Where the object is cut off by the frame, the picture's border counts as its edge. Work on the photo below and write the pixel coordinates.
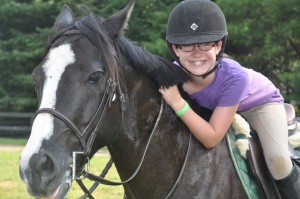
(24, 26)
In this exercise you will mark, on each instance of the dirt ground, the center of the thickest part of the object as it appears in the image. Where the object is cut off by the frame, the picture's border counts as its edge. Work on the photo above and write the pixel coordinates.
(11, 148)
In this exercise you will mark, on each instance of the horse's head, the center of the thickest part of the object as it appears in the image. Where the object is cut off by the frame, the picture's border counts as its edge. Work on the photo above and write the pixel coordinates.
(76, 86)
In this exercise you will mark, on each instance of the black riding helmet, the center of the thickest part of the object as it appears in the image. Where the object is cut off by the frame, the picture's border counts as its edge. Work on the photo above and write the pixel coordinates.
(194, 22)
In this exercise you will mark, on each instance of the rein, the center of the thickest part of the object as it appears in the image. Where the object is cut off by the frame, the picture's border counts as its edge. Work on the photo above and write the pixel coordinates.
(108, 182)
(102, 180)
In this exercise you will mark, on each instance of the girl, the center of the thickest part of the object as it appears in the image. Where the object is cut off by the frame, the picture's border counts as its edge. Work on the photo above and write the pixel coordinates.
(196, 36)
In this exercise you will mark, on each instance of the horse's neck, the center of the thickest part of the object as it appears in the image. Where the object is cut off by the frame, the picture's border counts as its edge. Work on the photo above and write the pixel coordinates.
(169, 140)
(166, 149)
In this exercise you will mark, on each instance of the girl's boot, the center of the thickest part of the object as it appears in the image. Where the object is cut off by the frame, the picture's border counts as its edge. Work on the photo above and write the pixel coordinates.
(289, 187)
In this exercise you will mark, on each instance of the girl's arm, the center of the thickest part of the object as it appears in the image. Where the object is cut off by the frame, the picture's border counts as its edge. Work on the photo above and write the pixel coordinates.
(208, 133)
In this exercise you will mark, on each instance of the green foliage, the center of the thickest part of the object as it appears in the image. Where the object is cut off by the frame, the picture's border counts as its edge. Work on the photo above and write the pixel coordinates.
(24, 29)
(148, 24)
(263, 34)
(13, 141)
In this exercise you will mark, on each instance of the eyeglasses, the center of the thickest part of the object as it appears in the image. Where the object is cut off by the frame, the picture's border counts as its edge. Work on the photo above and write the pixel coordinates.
(191, 47)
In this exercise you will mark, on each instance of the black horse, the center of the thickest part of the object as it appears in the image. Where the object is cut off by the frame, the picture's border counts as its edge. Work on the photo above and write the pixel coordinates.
(96, 88)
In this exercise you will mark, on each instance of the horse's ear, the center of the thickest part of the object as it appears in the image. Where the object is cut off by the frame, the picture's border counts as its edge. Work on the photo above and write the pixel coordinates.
(65, 18)
(118, 22)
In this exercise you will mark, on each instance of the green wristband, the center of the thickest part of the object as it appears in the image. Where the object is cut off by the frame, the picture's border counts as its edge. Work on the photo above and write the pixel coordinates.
(183, 110)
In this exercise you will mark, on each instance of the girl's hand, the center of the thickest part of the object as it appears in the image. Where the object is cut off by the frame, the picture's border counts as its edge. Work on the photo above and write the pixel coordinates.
(173, 97)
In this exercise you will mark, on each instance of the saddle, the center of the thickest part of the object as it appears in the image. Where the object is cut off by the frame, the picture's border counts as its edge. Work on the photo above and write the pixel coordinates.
(256, 161)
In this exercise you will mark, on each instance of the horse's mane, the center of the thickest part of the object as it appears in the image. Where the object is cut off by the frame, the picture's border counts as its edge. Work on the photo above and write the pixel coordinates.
(164, 72)
(121, 49)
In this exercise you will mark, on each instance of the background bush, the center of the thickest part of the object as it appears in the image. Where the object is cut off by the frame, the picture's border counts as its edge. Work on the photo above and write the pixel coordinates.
(263, 35)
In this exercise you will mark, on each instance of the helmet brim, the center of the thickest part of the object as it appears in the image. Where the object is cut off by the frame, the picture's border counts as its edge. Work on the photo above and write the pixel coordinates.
(195, 39)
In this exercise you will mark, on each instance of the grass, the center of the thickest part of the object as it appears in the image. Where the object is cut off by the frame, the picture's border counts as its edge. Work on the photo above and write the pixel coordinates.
(12, 187)
(13, 141)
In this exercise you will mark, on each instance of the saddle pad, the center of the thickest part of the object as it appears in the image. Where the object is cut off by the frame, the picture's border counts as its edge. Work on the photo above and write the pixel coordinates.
(249, 183)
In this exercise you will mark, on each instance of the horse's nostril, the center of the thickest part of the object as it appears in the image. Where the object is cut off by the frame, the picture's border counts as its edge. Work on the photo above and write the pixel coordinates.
(45, 164)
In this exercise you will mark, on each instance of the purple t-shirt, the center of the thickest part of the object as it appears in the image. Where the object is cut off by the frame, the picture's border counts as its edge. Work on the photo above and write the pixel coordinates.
(234, 84)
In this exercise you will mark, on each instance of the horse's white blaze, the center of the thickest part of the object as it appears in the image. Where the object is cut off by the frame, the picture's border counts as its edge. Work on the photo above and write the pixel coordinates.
(42, 129)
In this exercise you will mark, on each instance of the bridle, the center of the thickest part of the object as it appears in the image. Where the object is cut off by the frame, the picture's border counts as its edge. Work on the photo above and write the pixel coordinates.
(88, 135)
(90, 129)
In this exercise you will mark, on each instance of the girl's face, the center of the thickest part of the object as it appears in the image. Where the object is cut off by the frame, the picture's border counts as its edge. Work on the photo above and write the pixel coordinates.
(198, 58)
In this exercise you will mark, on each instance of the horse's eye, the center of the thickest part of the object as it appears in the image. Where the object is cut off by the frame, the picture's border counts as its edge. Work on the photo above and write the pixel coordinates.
(95, 77)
